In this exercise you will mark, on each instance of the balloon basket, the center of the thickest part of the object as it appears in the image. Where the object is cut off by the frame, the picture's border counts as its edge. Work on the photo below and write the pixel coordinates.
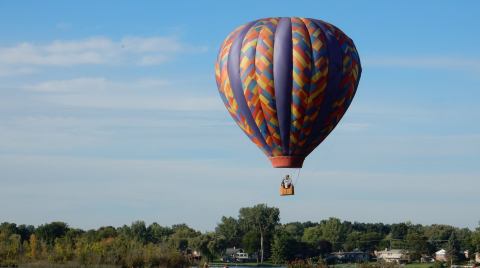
(287, 191)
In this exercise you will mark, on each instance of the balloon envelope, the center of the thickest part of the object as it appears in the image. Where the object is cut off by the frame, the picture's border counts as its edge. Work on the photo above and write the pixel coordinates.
(287, 82)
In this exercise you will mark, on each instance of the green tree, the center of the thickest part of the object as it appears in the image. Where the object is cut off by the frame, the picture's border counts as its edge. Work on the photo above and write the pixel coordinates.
(50, 231)
(139, 231)
(436, 234)
(230, 229)
(158, 233)
(263, 220)
(25, 231)
(63, 250)
(369, 241)
(476, 239)
(294, 229)
(106, 232)
(417, 244)
(352, 241)
(331, 230)
(334, 231)
(181, 236)
(210, 245)
(453, 248)
(217, 245)
(282, 247)
(201, 242)
(464, 236)
(10, 249)
(312, 234)
(399, 230)
(8, 228)
(251, 242)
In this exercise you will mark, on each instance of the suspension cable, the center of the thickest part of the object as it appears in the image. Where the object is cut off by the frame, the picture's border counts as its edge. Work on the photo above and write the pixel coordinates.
(297, 179)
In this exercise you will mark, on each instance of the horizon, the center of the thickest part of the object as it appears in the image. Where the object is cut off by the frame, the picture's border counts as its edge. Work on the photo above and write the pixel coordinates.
(109, 113)
(236, 217)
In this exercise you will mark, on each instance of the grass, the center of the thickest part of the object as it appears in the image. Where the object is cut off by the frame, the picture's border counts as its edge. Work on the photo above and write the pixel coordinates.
(419, 265)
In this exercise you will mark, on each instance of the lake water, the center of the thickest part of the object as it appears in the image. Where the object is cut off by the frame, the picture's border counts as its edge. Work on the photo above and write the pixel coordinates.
(241, 266)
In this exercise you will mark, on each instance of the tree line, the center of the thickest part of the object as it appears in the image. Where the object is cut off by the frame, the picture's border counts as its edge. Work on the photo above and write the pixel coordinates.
(257, 230)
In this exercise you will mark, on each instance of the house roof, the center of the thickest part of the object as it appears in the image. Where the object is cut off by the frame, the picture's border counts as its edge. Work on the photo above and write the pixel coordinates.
(230, 251)
(349, 252)
(441, 252)
(394, 251)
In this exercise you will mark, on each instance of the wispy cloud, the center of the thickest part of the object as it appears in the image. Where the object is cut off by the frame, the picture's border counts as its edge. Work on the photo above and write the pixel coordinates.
(145, 186)
(8, 71)
(70, 86)
(94, 51)
(424, 62)
(144, 94)
(76, 114)
(57, 133)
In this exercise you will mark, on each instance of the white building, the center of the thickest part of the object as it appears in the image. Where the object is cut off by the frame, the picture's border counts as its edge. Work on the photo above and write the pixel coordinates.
(441, 255)
(393, 255)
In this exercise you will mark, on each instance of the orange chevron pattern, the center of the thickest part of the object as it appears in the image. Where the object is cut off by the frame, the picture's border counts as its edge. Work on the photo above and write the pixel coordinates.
(249, 83)
(318, 83)
(301, 73)
(264, 78)
(226, 91)
(348, 83)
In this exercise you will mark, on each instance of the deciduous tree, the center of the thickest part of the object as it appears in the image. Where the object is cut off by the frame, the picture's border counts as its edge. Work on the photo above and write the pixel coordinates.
(263, 220)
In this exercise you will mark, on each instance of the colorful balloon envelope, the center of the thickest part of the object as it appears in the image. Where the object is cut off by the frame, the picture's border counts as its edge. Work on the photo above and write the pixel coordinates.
(287, 82)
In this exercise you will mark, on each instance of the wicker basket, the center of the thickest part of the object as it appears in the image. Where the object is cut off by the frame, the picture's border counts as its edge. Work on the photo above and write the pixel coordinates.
(287, 191)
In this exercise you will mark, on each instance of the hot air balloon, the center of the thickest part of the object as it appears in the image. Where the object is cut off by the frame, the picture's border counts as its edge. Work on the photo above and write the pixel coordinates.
(287, 82)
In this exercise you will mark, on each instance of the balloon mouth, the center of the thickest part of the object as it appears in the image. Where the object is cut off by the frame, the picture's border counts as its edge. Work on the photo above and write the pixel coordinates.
(287, 161)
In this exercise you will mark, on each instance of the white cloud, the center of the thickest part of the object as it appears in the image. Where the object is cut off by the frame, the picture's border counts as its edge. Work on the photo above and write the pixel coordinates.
(94, 51)
(7, 71)
(143, 94)
(154, 44)
(57, 133)
(59, 115)
(152, 60)
(137, 102)
(72, 85)
(424, 62)
(146, 189)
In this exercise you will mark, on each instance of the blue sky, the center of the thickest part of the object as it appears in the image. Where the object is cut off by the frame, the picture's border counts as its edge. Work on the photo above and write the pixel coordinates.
(109, 113)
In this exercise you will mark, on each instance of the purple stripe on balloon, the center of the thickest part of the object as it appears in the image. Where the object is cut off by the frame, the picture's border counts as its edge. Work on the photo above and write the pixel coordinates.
(332, 90)
(282, 74)
(233, 68)
(354, 56)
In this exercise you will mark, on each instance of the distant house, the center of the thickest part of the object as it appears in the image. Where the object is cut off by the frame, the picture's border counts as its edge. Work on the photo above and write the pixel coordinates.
(193, 254)
(233, 251)
(235, 255)
(350, 256)
(426, 259)
(393, 255)
(441, 255)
